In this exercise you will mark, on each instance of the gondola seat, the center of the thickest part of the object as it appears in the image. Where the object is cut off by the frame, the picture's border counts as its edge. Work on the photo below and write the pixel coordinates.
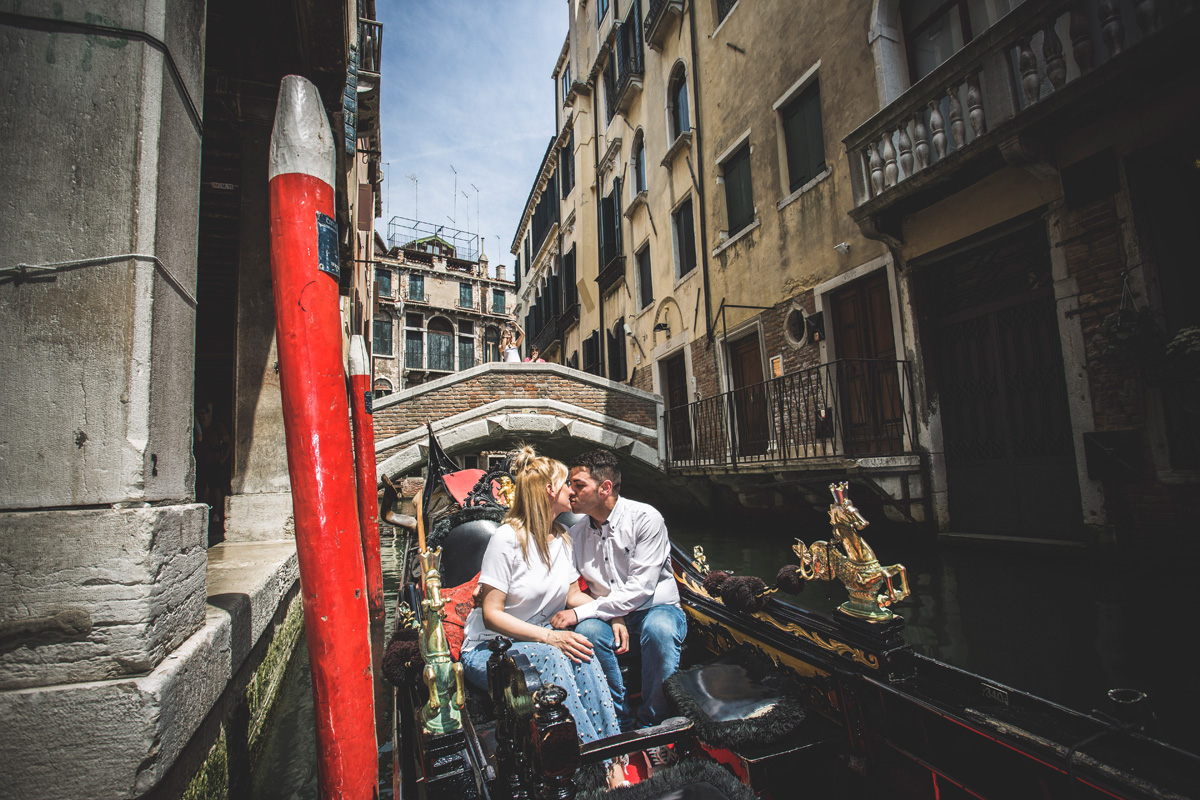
(749, 717)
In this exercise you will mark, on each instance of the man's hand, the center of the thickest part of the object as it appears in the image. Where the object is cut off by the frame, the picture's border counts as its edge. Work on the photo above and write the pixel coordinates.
(564, 619)
(620, 635)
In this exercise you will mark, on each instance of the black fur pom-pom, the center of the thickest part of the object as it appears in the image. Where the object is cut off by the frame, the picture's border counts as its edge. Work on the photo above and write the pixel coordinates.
(789, 580)
(713, 582)
(405, 648)
(740, 593)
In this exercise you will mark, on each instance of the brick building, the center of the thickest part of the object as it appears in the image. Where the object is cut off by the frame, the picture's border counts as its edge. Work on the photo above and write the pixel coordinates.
(439, 306)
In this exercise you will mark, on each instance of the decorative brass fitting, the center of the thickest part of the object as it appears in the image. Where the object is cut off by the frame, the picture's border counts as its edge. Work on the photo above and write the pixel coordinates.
(443, 675)
(855, 565)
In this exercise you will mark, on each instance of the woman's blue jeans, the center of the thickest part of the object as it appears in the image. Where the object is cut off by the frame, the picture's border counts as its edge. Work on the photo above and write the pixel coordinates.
(657, 633)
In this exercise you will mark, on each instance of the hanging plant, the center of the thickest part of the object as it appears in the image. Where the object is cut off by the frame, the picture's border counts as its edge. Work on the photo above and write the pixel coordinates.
(1181, 357)
(1131, 338)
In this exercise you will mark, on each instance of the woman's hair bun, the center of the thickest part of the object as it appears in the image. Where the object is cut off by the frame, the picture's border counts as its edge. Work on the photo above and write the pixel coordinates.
(523, 456)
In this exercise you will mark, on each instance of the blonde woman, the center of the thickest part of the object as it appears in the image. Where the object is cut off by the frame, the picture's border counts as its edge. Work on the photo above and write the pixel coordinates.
(511, 340)
(527, 575)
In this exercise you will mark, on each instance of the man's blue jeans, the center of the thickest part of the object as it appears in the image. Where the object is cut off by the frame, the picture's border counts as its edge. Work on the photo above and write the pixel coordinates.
(657, 633)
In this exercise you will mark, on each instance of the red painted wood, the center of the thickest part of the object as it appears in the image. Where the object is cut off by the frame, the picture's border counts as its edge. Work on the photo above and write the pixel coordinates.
(320, 463)
(368, 488)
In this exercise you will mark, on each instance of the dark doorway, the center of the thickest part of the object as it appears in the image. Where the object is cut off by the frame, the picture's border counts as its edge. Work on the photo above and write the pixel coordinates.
(1010, 458)
(749, 396)
(674, 375)
(867, 375)
(1166, 184)
(441, 345)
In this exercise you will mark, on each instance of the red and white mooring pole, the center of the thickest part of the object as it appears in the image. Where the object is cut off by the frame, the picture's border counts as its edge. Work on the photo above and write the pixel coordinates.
(364, 463)
(308, 327)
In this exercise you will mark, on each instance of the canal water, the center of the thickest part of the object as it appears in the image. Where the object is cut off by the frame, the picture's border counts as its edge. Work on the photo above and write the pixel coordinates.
(1065, 627)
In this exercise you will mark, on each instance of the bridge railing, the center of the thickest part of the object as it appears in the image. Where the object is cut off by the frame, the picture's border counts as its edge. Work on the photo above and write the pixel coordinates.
(849, 407)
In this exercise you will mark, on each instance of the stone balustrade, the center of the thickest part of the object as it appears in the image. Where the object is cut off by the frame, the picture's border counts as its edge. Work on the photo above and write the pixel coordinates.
(1036, 50)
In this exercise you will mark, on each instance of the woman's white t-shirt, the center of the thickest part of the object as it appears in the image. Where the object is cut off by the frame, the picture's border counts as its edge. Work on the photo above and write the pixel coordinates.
(533, 591)
(512, 355)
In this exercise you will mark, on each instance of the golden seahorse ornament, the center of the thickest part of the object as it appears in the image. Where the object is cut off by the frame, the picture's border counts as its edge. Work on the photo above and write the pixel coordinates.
(443, 675)
(851, 560)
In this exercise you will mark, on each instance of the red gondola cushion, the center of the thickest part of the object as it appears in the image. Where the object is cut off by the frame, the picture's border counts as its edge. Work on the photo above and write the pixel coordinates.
(458, 606)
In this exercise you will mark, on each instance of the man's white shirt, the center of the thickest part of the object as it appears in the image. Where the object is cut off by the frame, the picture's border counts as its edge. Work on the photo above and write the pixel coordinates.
(626, 561)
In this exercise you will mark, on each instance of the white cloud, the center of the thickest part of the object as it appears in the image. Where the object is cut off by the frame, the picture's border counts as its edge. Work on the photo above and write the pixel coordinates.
(468, 83)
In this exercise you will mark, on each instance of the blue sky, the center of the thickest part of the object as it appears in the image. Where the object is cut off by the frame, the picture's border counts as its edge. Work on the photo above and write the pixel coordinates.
(467, 83)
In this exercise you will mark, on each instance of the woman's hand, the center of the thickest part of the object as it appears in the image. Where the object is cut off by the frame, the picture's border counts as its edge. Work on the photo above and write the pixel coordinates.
(574, 646)
(621, 635)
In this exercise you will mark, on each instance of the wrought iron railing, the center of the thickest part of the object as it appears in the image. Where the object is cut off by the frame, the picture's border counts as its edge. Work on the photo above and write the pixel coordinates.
(612, 272)
(628, 65)
(548, 335)
(1031, 53)
(850, 407)
(657, 13)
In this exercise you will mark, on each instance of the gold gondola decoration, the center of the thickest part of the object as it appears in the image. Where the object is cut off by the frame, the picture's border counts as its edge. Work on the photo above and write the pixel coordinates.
(851, 560)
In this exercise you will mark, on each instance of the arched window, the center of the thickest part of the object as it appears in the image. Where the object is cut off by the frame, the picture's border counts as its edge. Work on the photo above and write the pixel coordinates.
(638, 162)
(441, 344)
(382, 387)
(679, 120)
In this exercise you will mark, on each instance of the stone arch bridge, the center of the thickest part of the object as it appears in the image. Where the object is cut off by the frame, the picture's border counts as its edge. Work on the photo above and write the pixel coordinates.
(560, 411)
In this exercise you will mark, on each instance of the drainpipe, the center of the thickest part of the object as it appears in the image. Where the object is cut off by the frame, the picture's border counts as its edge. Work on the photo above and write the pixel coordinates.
(708, 321)
(599, 222)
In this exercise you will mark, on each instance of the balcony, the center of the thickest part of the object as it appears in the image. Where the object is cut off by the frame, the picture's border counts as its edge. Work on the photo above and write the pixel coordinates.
(612, 273)
(1046, 65)
(658, 18)
(628, 67)
(549, 335)
(847, 409)
(370, 59)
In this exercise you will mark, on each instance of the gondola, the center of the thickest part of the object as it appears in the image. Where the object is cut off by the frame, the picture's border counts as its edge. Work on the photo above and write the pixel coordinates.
(773, 700)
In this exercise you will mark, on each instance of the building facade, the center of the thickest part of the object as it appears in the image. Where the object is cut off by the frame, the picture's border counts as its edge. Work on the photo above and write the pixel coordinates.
(435, 312)
(928, 247)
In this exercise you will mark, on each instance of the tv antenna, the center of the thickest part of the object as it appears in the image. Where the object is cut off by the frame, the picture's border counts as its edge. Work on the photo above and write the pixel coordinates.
(416, 181)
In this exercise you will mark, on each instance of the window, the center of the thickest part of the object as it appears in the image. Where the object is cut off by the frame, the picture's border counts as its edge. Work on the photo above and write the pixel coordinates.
(591, 353)
(934, 30)
(383, 279)
(610, 87)
(677, 105)
(381, 337)
(601, 10)
(566, 165)
(570, 290)
(464, 295)
(466, 351)
(639, 164)
(497, 301)
(739, 200)
(416, 288)
(413, 350)
(566, 82)
(683, 232)
(645, 284)
(723, 9)
(528, 254)
(802, 137)
(491, 344)
(616, 352)
(610, 225)
(441, 345)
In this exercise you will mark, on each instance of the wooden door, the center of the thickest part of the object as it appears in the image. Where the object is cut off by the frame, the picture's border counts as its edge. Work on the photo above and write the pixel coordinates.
(749, 396)
(675, 392)
(1010, 457)
(867, 374)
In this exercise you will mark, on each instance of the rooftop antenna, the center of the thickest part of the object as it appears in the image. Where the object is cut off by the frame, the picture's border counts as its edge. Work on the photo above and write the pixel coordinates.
(416, 182)
(464, 194)
(478, 226)
(452, 169)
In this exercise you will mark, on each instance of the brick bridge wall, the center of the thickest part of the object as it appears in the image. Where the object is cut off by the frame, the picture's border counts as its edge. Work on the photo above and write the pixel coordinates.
(406, 410)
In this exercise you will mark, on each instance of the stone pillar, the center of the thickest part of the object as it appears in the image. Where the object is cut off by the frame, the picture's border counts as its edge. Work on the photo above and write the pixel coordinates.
(99, 168)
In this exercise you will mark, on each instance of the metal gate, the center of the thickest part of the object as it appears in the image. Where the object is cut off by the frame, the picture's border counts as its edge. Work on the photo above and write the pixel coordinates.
(1010, 458)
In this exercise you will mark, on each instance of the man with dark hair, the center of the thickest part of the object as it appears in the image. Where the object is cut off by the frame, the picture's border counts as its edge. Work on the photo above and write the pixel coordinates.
(621, 549)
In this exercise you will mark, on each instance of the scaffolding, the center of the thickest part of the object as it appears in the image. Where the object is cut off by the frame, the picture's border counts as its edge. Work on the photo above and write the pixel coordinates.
(429, 237)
